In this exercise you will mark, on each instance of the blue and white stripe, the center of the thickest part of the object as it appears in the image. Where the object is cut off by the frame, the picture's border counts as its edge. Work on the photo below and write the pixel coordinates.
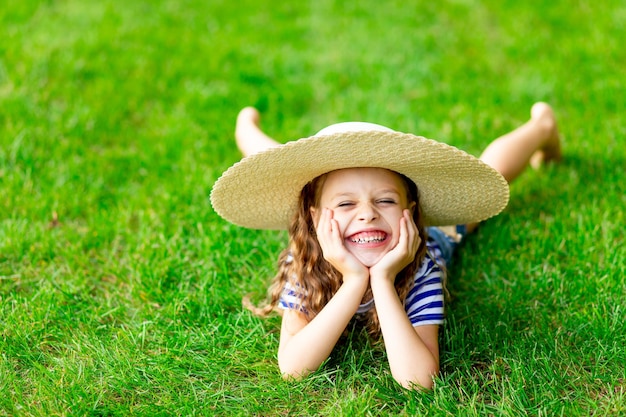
(424, 303)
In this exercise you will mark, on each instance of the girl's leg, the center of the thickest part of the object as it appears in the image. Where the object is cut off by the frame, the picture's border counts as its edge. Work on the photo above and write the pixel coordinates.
(535, 142)
(250, 138)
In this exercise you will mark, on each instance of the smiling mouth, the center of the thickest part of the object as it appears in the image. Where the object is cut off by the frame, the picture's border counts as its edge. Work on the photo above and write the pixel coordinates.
(368, 237)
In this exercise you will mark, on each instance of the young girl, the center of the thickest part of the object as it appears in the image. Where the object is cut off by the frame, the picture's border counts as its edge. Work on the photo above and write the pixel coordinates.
(361, 203)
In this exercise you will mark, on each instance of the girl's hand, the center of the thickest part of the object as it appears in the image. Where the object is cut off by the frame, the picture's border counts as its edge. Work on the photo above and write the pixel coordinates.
(331, 242)
(402, 254)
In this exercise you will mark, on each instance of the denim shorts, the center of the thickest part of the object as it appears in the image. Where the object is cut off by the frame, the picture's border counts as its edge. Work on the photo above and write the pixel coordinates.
(446, 243)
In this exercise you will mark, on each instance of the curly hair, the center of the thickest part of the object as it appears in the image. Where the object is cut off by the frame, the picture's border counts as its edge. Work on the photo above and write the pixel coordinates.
(302, 264)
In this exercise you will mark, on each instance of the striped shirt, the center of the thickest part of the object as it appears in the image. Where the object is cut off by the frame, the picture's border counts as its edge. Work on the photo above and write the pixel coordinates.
(423, 304)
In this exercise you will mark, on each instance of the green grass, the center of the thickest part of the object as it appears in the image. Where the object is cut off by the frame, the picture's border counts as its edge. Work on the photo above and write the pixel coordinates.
(120, 288)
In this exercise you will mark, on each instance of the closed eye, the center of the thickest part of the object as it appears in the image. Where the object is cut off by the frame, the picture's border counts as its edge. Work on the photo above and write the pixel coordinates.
(345, 204)
(386, 201)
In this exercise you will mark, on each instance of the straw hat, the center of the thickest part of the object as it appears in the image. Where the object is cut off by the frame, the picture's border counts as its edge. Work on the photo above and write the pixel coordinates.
(261, 191)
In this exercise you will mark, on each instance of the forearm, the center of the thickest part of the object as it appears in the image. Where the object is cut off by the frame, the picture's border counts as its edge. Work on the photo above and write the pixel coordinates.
(410, 359)
(307, 349)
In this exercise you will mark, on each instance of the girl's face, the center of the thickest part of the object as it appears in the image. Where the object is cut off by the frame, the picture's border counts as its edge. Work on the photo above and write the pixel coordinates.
(368, 204)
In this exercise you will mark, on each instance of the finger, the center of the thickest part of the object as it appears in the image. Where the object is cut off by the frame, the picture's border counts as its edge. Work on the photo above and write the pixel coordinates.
(332, 236)
(402, 246)
(409, 239)
(325, 222)
(413, 232)
(334, 230)
(320, 220)
(328, 226)
(333, 225)
(323, 229)
(404, 233)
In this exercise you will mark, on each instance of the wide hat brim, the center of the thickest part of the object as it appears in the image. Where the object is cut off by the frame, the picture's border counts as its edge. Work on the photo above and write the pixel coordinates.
(261, 191)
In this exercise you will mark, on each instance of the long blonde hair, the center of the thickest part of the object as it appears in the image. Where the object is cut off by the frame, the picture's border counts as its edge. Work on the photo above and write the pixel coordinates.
(302, 264)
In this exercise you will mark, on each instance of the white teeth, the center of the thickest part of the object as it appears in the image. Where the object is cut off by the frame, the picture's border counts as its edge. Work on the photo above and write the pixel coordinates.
(368, 239)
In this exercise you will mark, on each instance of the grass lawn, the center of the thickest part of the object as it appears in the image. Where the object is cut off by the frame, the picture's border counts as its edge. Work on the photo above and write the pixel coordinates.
(120, 288)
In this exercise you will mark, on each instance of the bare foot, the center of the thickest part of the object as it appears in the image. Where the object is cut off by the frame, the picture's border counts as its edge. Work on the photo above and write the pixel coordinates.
(542, 114)
(248, 134)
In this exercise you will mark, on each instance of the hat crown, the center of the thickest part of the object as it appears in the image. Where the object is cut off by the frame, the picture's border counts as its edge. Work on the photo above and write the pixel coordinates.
(352, 127)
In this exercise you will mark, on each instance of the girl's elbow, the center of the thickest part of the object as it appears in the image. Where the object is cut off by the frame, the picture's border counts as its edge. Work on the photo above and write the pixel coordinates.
(418, 381)
(292, 376)
(292, 372)
(417, 384)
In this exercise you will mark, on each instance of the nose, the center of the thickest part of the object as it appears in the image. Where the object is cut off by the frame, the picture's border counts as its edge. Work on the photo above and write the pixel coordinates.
(367, 213)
